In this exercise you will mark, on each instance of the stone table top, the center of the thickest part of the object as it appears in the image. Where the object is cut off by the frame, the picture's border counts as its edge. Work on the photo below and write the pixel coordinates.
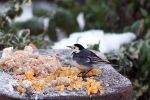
(120, 88)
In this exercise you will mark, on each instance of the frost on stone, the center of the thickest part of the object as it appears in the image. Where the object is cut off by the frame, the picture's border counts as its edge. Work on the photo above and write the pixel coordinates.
(7, 84)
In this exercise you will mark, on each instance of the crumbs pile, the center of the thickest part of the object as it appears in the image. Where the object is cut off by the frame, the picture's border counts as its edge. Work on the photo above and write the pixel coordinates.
(37, 73)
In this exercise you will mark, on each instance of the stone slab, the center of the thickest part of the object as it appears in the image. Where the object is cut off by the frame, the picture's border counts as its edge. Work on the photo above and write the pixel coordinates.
(120, 88)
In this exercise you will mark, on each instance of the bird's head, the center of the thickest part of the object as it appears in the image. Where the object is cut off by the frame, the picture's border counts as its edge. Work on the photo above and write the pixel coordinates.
(76, 48)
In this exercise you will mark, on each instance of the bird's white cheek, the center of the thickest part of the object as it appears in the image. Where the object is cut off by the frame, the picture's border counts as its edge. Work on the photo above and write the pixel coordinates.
(76, 51)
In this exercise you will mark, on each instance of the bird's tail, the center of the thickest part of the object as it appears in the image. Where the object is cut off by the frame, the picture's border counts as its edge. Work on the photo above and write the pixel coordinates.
(114, 65)
(107, 63)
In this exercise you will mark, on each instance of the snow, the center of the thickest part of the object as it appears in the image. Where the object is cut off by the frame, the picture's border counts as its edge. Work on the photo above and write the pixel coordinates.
(108, 42)
(81, 20)
(6, 85)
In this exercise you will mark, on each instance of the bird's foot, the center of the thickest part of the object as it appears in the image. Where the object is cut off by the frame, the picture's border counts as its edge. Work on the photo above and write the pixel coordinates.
(84, 74)
(80, 74)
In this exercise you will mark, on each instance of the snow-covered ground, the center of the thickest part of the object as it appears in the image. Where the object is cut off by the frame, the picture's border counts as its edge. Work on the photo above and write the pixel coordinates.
(108, 42)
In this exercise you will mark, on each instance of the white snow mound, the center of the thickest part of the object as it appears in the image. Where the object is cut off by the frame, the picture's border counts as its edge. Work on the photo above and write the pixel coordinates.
(108, 42)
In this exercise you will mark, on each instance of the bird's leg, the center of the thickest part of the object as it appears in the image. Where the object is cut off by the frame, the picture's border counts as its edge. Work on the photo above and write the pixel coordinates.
(84, 73)
(81, 73)
(87, 72)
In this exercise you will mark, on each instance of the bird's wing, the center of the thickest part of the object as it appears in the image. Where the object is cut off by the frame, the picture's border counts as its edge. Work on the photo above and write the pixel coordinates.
(82, 60)
(94, 58)
(88, 58)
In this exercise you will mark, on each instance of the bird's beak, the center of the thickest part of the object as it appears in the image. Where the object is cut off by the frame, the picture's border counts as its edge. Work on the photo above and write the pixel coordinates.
(70, 47)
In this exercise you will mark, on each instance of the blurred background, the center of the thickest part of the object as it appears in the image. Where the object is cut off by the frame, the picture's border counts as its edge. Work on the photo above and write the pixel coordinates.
(118, 28)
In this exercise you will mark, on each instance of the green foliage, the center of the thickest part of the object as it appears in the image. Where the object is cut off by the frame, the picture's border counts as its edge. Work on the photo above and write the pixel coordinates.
(94, 47)
(63, 19)
(4, 23)
(39, 41)
(7, 36)
(42, 10)
(112, 16)
(15, 8)
(12, 34)
(140, 27)
(13, 11)
(18, 40)
(144, 70)
(134, 62)
(35, 25)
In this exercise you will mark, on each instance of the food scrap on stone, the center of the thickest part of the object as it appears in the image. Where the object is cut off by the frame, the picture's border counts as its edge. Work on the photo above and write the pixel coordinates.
(38, 72)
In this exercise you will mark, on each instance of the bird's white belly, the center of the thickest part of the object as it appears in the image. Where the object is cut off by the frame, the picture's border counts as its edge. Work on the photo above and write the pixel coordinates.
(82, 67)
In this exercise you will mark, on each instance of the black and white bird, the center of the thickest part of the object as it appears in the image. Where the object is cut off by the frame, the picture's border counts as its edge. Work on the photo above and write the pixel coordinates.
(85, 59)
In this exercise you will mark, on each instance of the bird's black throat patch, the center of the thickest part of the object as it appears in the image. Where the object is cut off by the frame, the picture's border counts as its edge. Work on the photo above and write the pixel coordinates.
(73, 53)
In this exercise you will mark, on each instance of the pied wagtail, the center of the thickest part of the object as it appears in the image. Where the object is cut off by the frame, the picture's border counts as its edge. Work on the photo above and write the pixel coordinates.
(85, 59)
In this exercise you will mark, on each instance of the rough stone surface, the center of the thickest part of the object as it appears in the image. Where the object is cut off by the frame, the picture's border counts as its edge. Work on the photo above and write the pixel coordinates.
(120, 88)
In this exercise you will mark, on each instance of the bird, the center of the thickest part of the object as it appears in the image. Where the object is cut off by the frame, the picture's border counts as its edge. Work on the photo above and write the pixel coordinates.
(85, 59)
